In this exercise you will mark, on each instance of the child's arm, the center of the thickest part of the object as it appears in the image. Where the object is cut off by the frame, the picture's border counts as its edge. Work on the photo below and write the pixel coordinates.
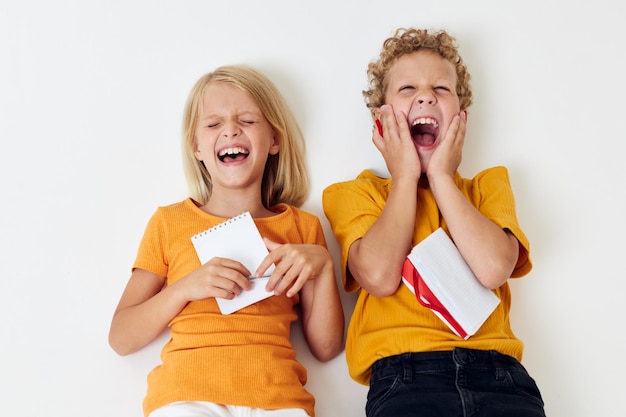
(375, 261)
(309, 269)
(322, 313)
(142, 313)
(490, 251)
(146, 306)
(322, 316)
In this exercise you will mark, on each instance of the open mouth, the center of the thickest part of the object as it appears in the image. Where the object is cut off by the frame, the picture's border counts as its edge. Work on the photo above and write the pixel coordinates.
(425, 131)
(233, 154)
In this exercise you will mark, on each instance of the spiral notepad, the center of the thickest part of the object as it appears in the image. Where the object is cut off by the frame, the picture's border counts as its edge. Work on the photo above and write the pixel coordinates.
(237, 238)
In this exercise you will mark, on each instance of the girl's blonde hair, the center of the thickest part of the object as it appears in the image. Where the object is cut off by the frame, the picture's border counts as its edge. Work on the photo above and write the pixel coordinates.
(285, 179)
(405, 41)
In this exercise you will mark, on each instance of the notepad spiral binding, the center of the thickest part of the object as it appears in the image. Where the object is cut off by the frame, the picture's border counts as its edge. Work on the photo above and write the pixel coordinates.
(221, 225)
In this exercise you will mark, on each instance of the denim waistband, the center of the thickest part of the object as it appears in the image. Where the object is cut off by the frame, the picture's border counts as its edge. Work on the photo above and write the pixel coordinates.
(444, 360)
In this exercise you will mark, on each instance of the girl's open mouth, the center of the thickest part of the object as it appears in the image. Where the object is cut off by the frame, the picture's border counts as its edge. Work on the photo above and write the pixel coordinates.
(233, 154)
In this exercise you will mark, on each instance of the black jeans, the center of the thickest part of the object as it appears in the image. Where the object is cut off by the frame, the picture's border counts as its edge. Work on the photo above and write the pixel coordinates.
(462, 382)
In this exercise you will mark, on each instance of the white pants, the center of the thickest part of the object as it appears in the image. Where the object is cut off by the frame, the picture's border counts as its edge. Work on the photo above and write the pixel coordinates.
(206, 409)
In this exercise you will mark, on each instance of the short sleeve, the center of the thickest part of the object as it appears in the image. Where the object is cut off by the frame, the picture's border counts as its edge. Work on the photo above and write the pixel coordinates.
(151, 253)
(493, 195)
(352, 207)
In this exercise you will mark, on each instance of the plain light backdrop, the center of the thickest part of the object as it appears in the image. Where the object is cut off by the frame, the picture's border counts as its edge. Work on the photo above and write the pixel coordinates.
(91, 98)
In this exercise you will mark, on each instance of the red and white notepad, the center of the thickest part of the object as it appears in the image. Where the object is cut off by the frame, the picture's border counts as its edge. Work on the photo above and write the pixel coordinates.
(441, 280)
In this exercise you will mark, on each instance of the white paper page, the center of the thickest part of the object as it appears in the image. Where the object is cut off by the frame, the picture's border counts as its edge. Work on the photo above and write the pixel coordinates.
(239, 239)
(450, 279)
(427, 302)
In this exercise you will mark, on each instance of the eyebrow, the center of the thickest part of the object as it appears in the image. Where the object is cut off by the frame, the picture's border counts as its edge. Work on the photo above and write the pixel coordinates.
(246, 113)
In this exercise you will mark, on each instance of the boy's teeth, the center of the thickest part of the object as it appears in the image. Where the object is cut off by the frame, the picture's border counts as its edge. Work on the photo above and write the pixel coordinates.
(425, 120)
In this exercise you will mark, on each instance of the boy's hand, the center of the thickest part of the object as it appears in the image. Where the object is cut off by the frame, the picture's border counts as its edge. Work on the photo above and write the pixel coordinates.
(449, 153)
(396, 144)
(295, 265)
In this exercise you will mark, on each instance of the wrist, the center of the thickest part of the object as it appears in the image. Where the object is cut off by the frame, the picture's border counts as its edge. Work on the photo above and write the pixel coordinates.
(440, 180)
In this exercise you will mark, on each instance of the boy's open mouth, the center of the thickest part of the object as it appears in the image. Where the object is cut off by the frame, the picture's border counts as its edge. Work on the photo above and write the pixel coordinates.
(425, 131)
(233, 154)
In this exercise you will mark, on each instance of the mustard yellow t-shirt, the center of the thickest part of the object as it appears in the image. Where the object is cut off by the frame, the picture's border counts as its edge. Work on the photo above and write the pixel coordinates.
(382, 327)
(245, 358)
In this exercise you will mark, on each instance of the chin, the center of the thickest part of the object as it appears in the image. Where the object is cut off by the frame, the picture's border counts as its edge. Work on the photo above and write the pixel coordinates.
(424, 162)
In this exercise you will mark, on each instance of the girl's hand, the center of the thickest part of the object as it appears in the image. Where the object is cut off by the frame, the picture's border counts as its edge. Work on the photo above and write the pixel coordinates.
(148, 305)
(219, 278)
(449, 153)
(396, 144)
(295, 265)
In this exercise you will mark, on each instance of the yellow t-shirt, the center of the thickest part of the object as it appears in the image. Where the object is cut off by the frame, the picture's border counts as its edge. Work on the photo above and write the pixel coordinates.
(382, 327)
(245, 358)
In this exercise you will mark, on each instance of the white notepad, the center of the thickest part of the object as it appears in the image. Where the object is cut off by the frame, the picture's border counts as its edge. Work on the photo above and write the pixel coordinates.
(237, 238)
(446, 284)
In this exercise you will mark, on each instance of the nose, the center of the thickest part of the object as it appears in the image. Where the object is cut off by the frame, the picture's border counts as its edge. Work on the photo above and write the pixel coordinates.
(231, 130)
(425, 98)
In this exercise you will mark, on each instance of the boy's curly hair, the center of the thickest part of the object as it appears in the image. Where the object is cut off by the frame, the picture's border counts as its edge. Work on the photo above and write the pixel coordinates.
(406, 41)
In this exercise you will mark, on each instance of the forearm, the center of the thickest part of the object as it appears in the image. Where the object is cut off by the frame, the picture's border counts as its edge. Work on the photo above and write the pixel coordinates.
(490, 251)
(375, 261)
(322, 316)
(135, 326)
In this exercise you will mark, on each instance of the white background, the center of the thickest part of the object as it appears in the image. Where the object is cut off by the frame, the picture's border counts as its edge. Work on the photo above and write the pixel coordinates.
(91, 98)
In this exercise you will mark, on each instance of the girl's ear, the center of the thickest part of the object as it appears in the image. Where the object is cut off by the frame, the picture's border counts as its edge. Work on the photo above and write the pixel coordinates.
(275, 146)
(196, 151)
